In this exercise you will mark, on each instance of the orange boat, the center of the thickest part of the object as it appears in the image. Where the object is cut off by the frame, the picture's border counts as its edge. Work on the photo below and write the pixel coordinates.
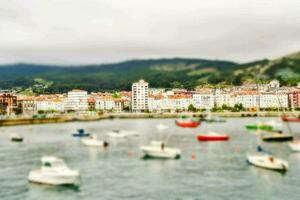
(187, 123)
(290, 119)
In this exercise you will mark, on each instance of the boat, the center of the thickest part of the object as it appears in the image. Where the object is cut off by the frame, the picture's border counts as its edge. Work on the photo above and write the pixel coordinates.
(214, 119)
(16, 138)
(81, 133)
(268, 162)
(187, 122)
(93, 141)
(162, 127)
(290, 119)
(294, 145)
(157, 149)
(263, 127)
(116, 134)
(54, 171)
(276, 137)
(213, 137)
(121, 134)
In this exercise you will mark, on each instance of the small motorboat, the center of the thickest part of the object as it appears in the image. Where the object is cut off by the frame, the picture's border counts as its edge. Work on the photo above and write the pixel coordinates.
(263, 127)
(214, 119)
(187, 122)
(116, 134)
(16, 138)
(81, 133)
(93, 141)
(121, 134)
(268, 162)
(276, 137)
(54, 171)
(157, 149)
(294, 145)
(290, 119)
(212, 137)
(162, 127)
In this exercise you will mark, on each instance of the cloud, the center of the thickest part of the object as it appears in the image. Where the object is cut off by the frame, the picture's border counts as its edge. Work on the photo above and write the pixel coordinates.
(97, 31)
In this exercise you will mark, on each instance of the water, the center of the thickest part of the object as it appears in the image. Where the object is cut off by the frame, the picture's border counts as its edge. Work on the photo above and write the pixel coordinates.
(219, 170)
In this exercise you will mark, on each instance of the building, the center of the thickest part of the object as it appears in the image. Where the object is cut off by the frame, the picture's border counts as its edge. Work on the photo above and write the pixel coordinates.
(139, 100)
(77, 100)
(8, 102)
(294, 98)
(204, 98)
(53, 103)
(273, 100)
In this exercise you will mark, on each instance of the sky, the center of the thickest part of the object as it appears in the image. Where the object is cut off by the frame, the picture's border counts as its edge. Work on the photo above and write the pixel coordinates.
(104, 31)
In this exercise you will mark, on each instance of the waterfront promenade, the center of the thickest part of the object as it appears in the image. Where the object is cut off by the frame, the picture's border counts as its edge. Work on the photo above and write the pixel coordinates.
(61, 118)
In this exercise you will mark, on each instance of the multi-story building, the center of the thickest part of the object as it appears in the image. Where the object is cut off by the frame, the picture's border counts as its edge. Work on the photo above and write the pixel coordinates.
(273, 100)
(204, 99)
(294, 98)
(139, 100)
(53, 103)
(77, 100)
(7, 103)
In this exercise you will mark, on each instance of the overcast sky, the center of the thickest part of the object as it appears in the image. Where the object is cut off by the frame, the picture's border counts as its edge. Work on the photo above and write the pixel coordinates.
(102, 31)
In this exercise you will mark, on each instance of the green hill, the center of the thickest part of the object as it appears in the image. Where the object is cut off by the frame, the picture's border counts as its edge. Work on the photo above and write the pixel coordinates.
(167, 73)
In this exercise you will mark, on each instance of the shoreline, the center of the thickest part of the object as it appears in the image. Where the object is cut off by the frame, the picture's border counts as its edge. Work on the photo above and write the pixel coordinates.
(82, 118)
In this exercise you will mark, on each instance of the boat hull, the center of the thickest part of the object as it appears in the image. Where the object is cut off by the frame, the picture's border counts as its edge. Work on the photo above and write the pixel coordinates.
(259, 127)
(188, 124)
(156, 152)
(267, 162)
(277, 138)
(294, 146)
(37, 176)
(212, 137)
(290, 119)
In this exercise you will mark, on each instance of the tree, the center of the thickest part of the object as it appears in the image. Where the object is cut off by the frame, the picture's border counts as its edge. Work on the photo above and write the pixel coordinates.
(191, 108)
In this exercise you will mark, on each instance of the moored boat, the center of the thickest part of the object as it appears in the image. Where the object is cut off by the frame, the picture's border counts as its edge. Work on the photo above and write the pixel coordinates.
(157, 149)
(264, 127)
(294, 145)
(54, 171)
(93, 141)
(16, 138)
(214, 119)
(80, 133)
(276, 137)
(268, 162)
(187, 122)
(162, 127)
(290, 119)
(212, 137)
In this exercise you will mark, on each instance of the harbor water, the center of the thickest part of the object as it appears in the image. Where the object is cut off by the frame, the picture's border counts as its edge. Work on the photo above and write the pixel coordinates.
(206, 170)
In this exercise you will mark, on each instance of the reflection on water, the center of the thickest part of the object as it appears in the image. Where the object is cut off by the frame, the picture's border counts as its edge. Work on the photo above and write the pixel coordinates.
(119, 172)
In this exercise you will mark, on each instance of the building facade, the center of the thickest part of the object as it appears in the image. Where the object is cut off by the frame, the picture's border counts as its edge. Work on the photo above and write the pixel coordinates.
(139, 100)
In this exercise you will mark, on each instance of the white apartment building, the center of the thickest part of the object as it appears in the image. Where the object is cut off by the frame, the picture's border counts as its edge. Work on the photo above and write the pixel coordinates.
(139, 101)
(104, 103)
(249, 99)
(77, 100)
(204, 101)
(273, 100)
(50, 105)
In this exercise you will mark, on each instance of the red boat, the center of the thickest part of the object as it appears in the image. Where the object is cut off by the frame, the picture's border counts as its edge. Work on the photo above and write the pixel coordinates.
(290, 119)
(212, 137)
(187, 123)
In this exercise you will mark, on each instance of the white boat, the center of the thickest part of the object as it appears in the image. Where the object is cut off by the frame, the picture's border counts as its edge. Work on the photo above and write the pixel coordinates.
(268, 162)
(294, 145)
(162, 127)
(93, 141)
(121, 134)
(54, 171)
(157, 149)
(16, 138)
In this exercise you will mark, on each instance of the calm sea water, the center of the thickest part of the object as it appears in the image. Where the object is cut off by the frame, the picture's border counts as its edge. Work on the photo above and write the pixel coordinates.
(219, 170)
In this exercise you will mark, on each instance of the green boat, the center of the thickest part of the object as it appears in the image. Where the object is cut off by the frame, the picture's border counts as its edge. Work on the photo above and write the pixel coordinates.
(259, 127)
